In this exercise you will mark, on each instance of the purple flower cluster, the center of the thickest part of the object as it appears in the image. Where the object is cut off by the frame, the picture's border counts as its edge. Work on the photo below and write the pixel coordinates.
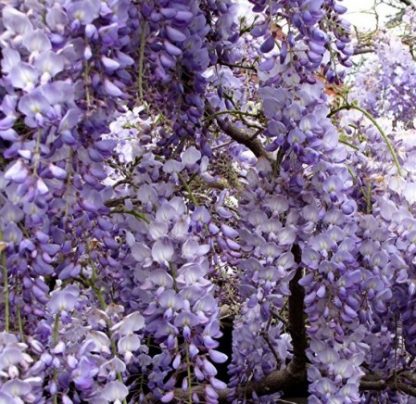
(386, 253)
(164, 164)
(268, 265)
(384, 84)
(178, 56)
(74, 357)
(169, 270)
(65, 66)
(317, 34)
(312, 199)
(52, 76)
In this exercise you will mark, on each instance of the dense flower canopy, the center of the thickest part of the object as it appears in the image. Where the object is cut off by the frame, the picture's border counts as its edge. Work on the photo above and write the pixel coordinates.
(203, 207)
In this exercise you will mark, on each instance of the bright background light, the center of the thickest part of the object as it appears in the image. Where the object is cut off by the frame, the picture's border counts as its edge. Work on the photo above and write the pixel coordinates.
(361, 14)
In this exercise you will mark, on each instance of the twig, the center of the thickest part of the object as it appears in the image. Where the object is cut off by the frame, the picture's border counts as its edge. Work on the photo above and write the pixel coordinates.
(188, 190)
(378, 127)
(238, 66)
(141, 62)
(265, 336)
(5, 284)
(189, 375)
(230, 112)
(362, 51)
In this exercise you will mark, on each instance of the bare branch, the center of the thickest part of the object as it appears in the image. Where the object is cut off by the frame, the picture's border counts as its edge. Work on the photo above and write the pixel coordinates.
(407, 388)
(238, 66)
(289, 379)
(240, 136)
(296, 316)
(407, 2)
(373, 384)
(363, 50)
(378, 384)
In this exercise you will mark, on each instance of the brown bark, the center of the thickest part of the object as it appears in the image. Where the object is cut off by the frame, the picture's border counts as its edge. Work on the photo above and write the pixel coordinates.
(239, 135)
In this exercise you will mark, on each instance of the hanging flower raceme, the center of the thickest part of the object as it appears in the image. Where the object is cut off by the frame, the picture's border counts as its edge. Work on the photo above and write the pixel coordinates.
(170, 282)
(385, 83)
(314, 212)
(387, 230)
(314, 28)
(56, 150)
(267, 237)
(176, 57)
(64, 69)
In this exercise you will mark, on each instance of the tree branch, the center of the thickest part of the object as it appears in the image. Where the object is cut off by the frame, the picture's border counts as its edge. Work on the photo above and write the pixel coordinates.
(390, 383)
(376, 125)
(296, 316)
(363, 50)
(289, 379)
(407, 388)
(239, 135)
(407, 3)
(238, 66)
